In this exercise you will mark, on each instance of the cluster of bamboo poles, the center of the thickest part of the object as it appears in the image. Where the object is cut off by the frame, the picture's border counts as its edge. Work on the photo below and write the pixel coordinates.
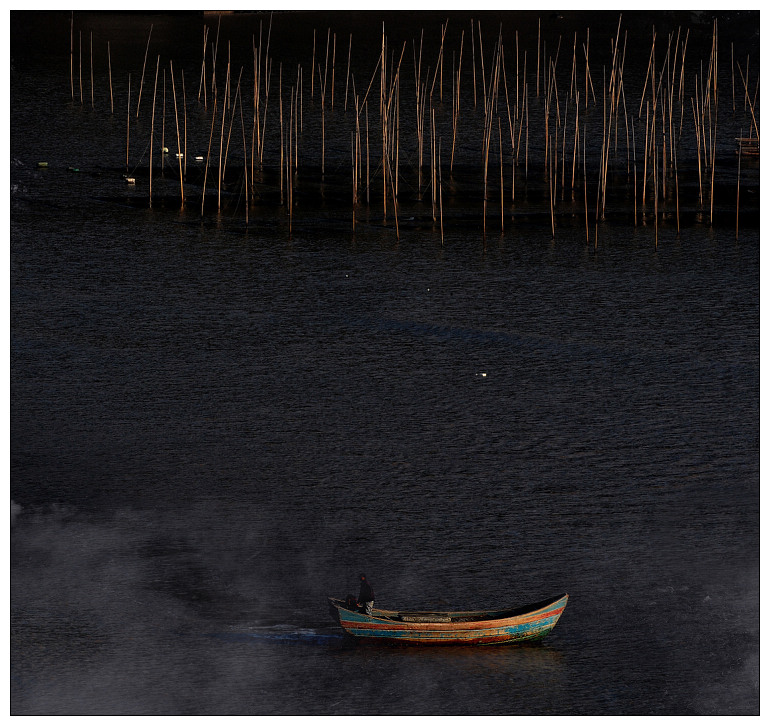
(566, 113)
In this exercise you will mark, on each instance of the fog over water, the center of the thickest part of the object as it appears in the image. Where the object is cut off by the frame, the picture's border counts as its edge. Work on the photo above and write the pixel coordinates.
(215, 426)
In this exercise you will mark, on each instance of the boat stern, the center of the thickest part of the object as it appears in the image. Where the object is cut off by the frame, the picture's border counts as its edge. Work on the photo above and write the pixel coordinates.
(334, 609)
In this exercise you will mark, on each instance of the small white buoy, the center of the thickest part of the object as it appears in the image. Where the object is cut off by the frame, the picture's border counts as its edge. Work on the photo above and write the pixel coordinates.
(198, 158)
(130, 180)
(179, 156)
(165, 149)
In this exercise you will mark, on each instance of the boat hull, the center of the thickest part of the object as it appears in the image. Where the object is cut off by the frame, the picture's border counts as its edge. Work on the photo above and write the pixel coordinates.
(504, 627)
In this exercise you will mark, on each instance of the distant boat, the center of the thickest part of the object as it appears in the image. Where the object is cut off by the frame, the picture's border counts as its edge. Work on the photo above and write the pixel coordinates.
(747, 146)
(477, 627)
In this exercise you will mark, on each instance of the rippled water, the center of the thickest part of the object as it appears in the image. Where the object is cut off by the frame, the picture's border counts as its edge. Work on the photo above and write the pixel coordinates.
(214, 428)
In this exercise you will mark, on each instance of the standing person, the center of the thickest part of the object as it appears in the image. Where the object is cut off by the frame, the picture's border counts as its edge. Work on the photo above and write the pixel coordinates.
(365, 595)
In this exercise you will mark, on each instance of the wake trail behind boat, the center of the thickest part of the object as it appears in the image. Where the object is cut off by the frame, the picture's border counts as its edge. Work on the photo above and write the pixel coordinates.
(282, 633)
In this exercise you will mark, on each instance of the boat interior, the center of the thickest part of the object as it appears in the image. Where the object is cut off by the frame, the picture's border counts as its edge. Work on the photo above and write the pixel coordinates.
(459, 616)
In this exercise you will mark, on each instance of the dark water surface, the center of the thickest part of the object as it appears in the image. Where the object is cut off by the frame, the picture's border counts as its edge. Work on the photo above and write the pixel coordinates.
(214, 428)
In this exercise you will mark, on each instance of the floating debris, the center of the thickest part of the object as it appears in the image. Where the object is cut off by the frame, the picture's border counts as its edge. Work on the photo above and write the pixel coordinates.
(42, 164)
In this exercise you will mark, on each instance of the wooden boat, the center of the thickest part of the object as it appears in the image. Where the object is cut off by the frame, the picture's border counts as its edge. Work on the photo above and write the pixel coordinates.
(747, 146)
(480, 627)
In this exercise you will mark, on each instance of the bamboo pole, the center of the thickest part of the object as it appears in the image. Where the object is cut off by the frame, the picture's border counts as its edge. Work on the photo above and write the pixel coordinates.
(72, 54)
(698, 140)
(178, 139)
(747, 73)
(297, 115)
(214, 54)
(163, 127)
(647, 74)
(432, 141)
(589, 78)
(524, 124)
(109, 70)
(732, 75)
(646, 150)
(245, 159)
(738, 189)
(537, 72)
(208, 153)
(576, 144)
(748, 101)
(395, 201)
(322, 87)
(355, 150)
(268, 78)
(481, 57)
(326, 62)
(141, 84)
(334, 61)
(91, 36)
(398, 122)
(289, 163)
(366, 104)
(419, 93)
(383, 127)
(128, 119)
(184, 108)
(439, 61)
(152, 123)
(585, 187)
(564, 144)
(521, 113)
(353, 166)
(281, 165)
(713, 167)
(502, 186)
(633, 137)
(80, 64)
(456, 102)
(507, 100)
(655, 178)
(676, 188)
(222, 138)
(440, 195)
(301, 89)
(347, 75)
(256, 93)
(202, 83)
(473, 53)
(550, 195)
(231, 105)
